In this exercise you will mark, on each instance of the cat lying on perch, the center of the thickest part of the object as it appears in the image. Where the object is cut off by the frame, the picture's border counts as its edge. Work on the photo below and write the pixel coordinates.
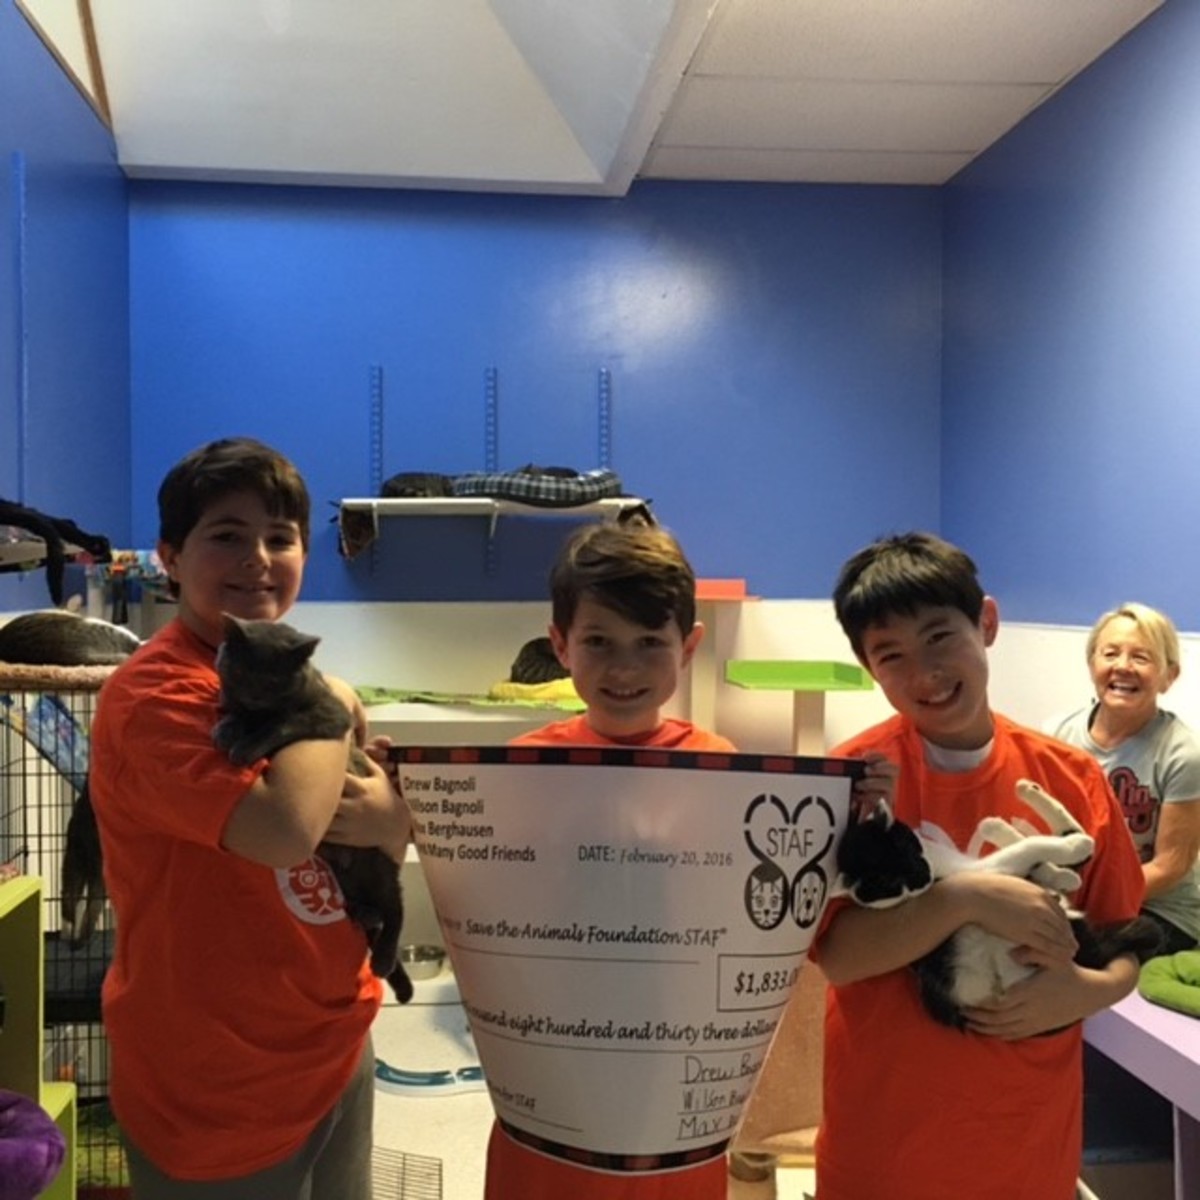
(882, 862)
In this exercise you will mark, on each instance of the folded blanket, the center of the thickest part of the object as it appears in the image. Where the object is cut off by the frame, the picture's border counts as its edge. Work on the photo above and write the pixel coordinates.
(1173, 981)
(522, 696)
(560, 693)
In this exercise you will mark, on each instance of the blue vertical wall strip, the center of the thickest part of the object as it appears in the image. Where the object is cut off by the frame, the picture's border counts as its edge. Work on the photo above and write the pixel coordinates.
(491, 451)
(375, 450)
(22, 331)
(604, 399)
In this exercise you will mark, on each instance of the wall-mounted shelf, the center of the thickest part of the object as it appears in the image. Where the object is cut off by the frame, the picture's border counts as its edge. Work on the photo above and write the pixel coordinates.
(481, 506)
(30, 553)
(359, 517)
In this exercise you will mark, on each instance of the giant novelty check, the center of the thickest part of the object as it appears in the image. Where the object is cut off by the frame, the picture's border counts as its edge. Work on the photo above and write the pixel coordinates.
(625, 927)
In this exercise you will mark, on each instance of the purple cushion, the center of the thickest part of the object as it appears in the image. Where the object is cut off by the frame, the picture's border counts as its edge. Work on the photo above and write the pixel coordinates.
(32, 1148)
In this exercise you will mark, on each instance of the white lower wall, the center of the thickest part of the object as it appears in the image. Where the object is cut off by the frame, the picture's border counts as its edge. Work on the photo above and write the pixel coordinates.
(1036, 670)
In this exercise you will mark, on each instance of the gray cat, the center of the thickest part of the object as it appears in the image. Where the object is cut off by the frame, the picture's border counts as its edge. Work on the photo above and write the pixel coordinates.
(271, 696)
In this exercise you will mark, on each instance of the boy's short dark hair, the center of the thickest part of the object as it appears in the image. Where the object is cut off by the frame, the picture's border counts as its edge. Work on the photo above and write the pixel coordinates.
(632, 566)
(220, 468)
(898, 576)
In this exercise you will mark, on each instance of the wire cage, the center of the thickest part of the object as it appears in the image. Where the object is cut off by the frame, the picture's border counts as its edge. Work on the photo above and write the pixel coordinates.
(45, 716)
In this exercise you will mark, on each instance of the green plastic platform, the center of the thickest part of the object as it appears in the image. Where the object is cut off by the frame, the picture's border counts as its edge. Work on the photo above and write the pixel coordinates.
(808, 680)
(803, 675)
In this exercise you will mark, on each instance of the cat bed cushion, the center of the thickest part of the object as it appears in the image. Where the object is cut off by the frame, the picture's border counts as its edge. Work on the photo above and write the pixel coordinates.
(546, 487)
(32, 1148)
(1173, 981)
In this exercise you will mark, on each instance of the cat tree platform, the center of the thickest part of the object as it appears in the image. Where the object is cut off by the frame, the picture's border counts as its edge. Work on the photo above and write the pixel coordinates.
(808, 681)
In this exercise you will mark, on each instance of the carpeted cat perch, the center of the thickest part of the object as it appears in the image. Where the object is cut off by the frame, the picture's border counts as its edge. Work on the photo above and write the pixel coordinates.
(19, 677)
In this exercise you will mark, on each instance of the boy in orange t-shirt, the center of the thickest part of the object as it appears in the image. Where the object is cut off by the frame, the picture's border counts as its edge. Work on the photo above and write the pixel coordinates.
(624, 624)
(239, 1002)
(914, 1110)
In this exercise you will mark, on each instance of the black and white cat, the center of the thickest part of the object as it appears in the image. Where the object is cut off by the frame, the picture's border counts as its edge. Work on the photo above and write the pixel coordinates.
(271, 696)
(882, 862)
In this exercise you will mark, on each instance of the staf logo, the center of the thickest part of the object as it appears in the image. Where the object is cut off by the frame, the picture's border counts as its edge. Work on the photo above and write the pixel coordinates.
(790, 846)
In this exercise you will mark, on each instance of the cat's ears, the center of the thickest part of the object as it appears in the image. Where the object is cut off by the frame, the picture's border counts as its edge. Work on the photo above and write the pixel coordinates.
(879, 811)
(234, 626)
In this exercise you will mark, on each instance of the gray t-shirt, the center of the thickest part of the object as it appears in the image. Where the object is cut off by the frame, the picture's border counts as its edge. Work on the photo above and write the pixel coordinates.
(1159, 765)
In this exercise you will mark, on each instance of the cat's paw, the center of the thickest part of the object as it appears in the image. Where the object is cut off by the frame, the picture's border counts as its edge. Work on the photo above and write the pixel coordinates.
(1077, 848)
(1057, 879)
(1057, 817)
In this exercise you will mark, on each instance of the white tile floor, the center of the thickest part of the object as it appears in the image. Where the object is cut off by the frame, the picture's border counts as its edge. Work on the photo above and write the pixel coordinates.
(794, 1183)
(451, 1124)
(790, 1183)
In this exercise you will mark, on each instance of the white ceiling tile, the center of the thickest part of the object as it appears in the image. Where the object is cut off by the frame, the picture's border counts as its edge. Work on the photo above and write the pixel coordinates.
(778, 114)
(813, 166)
(979, 40)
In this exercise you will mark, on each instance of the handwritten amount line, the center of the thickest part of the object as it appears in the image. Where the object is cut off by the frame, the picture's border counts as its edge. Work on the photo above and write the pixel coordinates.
(611, 1049)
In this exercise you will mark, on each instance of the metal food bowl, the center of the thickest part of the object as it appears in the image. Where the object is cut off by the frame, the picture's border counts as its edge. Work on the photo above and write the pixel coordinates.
(422, 962)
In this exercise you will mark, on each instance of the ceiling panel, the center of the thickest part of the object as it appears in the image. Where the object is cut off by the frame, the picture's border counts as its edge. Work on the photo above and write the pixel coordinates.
(580, 96)
(776, 114)
(980, 41)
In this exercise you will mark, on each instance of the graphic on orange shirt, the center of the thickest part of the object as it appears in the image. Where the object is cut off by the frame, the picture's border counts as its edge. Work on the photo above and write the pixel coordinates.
(311, 892)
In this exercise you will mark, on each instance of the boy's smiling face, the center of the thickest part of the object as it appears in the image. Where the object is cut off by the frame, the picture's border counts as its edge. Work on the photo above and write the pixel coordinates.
(623, 672)
(933, 669)
(237, 559)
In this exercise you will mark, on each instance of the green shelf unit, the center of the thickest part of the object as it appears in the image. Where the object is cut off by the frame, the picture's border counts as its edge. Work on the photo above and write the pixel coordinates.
(21, 1038)
(808, 680)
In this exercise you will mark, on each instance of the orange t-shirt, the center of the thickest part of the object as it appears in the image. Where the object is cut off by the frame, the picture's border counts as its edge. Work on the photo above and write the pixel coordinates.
(672, 734)
(914, 1110)
(239, 998)
(518, 1172)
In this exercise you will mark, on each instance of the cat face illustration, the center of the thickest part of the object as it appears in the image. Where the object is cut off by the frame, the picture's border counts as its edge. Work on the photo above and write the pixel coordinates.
(766, 896)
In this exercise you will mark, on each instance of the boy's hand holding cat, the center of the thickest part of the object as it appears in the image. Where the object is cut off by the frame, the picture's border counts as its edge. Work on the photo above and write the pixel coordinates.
(877, 783)
(1057, 995)
(371, 812)
(349, 697)
(1016, 910)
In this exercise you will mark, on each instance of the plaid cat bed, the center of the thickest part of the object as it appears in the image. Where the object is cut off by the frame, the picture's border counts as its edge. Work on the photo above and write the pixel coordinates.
(547, 487)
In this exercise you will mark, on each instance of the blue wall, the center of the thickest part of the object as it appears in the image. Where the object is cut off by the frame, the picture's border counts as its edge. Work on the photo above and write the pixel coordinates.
(64, 304)
(780, 388)
(774, 355)
(1071, 442)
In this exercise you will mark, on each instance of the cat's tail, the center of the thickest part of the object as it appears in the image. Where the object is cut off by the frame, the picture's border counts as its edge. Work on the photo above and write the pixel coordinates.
(82, 872)
(401, 984)
(1100, 944)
